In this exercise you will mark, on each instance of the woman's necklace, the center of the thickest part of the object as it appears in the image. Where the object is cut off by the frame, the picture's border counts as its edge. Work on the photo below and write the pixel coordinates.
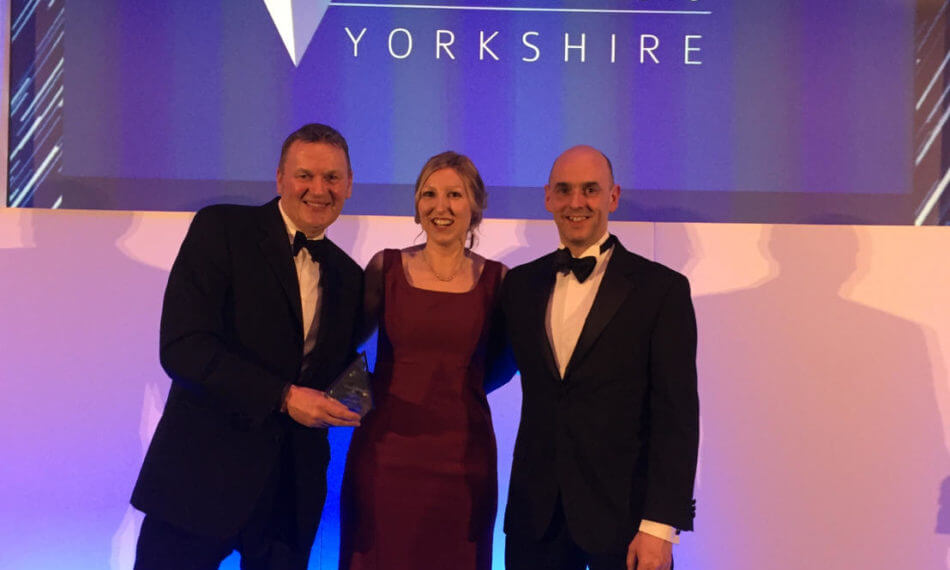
(451, 277)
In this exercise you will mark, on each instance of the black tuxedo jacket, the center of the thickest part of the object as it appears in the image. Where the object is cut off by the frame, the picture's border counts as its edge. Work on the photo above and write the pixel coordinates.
(617, 437)
(231, 340)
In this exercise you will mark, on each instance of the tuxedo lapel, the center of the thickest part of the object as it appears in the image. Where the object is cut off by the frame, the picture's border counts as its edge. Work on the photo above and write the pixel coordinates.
(536, 311)
(616, 286)
(330, 289)
(275, 246)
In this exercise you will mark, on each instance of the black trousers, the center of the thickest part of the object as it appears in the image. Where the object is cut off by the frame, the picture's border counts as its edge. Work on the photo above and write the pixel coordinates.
(272, 539)
(556, 550)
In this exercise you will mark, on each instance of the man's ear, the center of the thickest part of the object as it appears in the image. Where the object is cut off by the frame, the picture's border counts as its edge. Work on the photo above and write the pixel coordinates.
(349, 186)
(614, 197)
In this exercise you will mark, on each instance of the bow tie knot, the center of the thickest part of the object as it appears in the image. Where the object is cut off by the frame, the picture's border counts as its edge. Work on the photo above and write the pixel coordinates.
(581, 267)
(318, 248)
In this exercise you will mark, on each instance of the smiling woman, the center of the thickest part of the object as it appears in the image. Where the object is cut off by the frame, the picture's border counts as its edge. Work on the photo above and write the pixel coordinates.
(451, 176)
(431, 429)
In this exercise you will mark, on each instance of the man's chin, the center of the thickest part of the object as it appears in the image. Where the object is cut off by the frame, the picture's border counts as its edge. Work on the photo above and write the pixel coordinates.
(314, 227)
(577, 240)
(321, 223)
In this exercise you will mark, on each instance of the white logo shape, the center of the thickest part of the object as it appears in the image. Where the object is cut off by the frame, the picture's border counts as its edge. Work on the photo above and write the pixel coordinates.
(296, 21)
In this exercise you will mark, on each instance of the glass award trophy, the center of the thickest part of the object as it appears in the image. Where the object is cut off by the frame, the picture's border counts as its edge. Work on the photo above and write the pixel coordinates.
(352, 387)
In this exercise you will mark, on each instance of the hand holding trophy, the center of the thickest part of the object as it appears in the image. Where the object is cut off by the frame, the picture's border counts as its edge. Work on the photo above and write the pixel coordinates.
(352, 388)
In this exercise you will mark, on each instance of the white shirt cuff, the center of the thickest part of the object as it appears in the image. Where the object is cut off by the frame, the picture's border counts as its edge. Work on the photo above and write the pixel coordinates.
(660, 530)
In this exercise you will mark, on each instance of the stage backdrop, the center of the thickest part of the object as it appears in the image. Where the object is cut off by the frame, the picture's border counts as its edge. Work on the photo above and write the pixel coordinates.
(823, 359)
(788, 110)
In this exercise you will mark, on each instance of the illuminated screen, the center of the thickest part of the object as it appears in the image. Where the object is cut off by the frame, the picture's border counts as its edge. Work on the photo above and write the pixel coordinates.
(710, 111)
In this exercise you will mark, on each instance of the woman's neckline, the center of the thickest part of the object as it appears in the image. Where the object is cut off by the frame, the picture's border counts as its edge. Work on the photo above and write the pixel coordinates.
(405, 278)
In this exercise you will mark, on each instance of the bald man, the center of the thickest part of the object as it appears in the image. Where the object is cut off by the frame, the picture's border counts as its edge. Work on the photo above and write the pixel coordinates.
(605, 341)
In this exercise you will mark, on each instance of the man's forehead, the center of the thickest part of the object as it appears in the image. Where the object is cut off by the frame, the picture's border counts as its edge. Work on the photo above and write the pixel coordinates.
(313, 169)
(315, 149)
(568, 183)
(326, 158)
(578, 175)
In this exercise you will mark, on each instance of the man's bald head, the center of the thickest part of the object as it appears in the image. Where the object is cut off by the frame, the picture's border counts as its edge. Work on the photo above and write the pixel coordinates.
(581, 194)
(580, 149)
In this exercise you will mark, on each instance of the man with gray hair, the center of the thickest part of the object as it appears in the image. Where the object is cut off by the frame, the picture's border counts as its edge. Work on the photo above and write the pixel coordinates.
(260, 316)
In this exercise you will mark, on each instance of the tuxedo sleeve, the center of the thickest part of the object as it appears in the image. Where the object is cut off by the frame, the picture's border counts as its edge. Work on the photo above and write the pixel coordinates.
(194, 340)
(674, 410)
(501, 366)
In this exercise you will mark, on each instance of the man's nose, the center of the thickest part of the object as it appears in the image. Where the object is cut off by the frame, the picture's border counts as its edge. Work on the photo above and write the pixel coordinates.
(319, 186)
(577, 198)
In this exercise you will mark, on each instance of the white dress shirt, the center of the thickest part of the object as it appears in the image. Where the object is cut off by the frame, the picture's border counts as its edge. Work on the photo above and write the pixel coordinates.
(308, 278)
(567, 312)
(570, 303)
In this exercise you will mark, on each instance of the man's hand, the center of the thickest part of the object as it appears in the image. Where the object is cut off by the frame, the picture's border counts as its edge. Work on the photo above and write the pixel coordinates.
(315, 409)
(647, 552)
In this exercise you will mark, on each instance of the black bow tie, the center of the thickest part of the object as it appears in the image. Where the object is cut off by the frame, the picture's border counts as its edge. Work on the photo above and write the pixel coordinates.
(582, 267)
(318, 248)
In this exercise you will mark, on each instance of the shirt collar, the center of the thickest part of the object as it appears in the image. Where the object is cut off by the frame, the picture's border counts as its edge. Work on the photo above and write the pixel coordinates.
(594, 250)
(292, 228)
